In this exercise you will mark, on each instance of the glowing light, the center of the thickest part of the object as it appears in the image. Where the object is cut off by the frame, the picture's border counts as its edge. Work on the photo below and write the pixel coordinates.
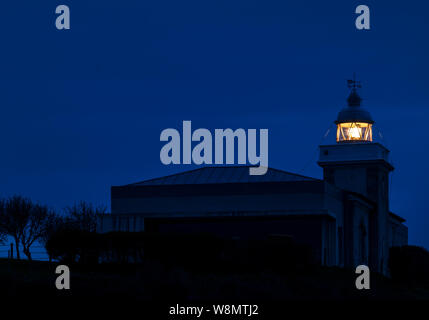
(355, 133)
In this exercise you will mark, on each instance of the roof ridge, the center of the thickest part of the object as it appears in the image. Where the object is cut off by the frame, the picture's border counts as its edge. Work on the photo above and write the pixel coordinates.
(167, 176)
(295, 174)
(178, 174)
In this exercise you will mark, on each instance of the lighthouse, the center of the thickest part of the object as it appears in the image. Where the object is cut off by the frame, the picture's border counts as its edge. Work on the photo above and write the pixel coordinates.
(358, 164)
(341, 220)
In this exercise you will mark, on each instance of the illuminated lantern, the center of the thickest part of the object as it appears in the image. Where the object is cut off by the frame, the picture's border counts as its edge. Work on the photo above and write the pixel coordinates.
(354, 123)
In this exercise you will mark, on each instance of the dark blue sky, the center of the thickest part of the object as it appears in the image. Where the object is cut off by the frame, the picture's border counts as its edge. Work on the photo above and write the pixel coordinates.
(82, 110)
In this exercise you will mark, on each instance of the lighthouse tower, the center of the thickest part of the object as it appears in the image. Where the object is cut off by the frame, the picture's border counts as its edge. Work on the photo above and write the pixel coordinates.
(359, 165)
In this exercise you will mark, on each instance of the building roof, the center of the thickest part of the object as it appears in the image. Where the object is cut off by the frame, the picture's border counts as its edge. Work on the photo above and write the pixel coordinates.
(223, 174)
(395, 216)
(354, 112)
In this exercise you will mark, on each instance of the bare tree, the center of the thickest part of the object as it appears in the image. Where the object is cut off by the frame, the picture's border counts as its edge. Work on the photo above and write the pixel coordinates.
(14, 216)
(3, 236)
(83, 216)
(54, 223)
(35, 228)
(23, 221)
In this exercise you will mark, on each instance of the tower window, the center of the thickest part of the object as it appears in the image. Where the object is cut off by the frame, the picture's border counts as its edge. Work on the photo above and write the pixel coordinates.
(354, 131)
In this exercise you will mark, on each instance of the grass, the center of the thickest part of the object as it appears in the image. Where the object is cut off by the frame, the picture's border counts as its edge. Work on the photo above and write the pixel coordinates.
(154, 281)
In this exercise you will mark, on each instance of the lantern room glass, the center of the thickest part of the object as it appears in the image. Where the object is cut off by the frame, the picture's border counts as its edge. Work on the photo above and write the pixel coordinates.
(354, 131)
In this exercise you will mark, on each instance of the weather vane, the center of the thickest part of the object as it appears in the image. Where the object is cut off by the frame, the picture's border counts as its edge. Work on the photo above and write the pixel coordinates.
(354, 84)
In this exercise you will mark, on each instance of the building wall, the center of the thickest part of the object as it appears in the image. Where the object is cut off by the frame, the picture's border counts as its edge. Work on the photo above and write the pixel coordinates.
(345, 220)
(363, 168)
(317, 232)
(333, 202)
(230, 203)
(308, 216)
(398, 233)
(123, 222)
(360, 234)
(305, 230)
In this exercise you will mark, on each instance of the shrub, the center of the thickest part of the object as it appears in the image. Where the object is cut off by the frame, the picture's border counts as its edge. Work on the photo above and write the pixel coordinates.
(409, 265)
(71, 246)
(198, 252)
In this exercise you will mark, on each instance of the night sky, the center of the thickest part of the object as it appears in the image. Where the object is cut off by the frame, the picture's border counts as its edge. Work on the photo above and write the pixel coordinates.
(82, 110)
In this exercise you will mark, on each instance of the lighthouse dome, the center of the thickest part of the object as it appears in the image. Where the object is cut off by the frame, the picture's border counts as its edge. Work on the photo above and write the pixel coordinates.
(354, 112)
(354, 123)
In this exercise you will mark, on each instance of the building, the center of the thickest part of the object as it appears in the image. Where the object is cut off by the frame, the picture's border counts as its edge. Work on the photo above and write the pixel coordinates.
(345, 217)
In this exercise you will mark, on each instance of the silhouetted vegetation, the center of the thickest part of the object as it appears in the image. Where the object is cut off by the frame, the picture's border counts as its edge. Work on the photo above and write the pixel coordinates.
(24, 221)
(83, 216)
(27, 222)
(410, 265)
(158, 282)
(197, 252)
(159, 266)
(71, 237)
(3, 236)
(192, 265)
